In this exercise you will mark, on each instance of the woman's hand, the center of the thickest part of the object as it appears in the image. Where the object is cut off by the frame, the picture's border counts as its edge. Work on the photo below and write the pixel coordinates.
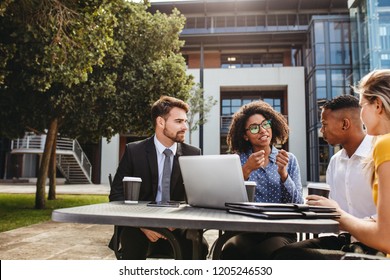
(282, 162)
(255, 161)
(317, 200)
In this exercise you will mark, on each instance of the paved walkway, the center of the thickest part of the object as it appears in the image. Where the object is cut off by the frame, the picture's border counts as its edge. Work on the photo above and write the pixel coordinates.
(61, 241)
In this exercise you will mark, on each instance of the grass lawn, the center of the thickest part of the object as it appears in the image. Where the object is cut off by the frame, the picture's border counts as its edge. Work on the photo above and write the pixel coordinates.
(17, 210)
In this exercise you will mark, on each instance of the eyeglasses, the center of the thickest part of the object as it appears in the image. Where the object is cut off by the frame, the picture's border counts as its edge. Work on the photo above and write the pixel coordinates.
(255, 128)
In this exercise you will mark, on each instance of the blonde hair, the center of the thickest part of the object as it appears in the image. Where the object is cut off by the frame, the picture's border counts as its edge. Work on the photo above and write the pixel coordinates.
(375, 85)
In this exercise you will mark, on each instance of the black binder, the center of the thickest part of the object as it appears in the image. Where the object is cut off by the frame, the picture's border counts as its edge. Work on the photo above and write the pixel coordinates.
(281, 210)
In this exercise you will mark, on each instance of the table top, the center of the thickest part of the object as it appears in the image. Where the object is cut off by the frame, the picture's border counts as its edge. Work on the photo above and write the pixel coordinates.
(186, 217)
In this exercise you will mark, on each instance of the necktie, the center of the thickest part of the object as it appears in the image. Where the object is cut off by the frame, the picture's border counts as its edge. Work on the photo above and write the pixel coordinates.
(166, 177)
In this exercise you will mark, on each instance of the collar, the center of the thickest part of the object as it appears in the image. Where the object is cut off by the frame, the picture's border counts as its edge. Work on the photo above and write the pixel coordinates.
(364, 149)
(160, 147)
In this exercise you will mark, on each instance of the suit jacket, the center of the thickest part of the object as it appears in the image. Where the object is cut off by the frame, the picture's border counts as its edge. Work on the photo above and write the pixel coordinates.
(140, 160)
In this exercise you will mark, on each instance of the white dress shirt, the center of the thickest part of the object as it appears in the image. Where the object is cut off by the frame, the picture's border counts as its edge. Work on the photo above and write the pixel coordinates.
(349, 184)
(160, 162)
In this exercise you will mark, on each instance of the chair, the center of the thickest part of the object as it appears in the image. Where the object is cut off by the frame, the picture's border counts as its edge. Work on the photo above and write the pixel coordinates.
(116, 246)
(357, 256)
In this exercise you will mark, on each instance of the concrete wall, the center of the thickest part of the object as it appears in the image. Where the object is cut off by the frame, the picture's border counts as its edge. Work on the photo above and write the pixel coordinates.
(110, 158)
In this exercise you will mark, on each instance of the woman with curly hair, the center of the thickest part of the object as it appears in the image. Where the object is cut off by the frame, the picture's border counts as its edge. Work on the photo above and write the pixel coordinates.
(254, 131)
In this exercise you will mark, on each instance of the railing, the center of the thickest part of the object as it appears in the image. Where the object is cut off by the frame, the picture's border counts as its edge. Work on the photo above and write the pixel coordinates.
(37, 142)
(82, 158)
(29, 142)
(225, 123)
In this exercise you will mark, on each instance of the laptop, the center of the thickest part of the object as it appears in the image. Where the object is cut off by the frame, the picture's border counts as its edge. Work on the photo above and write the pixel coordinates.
(212, 180)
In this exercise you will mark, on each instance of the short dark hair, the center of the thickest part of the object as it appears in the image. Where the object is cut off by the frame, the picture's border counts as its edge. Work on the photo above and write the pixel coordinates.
(164, 105)
(342, 102)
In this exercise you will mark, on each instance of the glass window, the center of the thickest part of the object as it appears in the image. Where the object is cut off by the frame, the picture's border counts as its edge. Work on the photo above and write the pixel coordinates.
(337, 91)
(385, 61)
(236, 102)
(272, 20)
(251, 60)
(230, 21)
(260, 20)
(226, 102)
(232, 105)
(320, 53)
(339, 53)
(321, 93)
(251, 20)
(336, 32)
(200, 22)
(226, 111)
(190, 23)
(319, 32)
(320, 78)
(241, 21)
(275, 103)
(383, 3)
(337, 78)
(220, 21)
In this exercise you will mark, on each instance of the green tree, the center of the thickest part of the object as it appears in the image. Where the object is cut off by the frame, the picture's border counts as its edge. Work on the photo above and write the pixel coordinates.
(199, 109)
(85, 69)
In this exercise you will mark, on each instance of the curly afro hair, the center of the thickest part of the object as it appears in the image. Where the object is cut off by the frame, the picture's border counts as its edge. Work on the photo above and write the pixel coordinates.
(235, 138)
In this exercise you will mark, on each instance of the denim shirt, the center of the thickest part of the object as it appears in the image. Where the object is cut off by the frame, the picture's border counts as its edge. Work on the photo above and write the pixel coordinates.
(269, 185)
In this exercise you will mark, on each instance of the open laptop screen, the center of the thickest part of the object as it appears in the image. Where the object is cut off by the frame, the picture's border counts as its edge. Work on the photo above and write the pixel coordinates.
(212, 180)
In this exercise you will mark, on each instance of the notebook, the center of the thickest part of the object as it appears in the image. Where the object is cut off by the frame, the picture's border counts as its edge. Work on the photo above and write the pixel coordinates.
(282, 211)
(212, 180)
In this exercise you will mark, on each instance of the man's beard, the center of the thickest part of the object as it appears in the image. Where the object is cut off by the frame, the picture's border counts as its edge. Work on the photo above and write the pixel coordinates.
(179, 137)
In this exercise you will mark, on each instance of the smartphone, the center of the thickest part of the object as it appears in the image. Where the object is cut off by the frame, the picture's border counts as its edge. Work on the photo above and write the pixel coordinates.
(164, 204)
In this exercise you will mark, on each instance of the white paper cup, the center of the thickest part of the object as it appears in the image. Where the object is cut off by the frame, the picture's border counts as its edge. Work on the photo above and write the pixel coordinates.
(131, 188)
(321, 189)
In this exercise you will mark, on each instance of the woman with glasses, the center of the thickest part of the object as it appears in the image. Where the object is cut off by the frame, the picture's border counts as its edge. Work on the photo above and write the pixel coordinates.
(254, 131)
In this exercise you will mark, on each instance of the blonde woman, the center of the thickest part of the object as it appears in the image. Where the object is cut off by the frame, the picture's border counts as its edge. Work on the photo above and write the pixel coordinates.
(374, 90)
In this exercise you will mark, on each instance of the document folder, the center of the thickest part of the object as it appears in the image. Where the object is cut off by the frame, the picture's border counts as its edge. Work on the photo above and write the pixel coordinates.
(281, 210)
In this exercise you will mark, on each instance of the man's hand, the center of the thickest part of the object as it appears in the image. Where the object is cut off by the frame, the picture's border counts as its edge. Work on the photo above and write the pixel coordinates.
(152, 235)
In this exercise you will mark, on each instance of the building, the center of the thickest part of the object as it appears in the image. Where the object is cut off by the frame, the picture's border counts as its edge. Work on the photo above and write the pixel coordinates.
(283, 52)
(293, 54)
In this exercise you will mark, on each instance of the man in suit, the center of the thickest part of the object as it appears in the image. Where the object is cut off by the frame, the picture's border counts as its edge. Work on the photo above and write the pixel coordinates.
(146, 159)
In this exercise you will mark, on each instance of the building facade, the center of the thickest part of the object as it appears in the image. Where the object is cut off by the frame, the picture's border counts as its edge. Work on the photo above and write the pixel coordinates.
(293, 54)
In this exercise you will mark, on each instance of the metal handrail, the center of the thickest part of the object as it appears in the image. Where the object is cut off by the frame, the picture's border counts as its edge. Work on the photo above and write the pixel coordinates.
(37, 142)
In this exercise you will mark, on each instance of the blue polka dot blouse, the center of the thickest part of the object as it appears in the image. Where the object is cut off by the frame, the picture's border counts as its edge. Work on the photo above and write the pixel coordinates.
(269, 185)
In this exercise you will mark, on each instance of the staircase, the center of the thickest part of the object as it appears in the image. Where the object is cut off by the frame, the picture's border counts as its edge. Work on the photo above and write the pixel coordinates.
(71, 160)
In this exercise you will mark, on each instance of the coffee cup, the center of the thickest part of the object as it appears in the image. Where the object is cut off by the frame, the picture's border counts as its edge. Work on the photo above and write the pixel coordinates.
(131, 188)
(321, 189)
(250, 190)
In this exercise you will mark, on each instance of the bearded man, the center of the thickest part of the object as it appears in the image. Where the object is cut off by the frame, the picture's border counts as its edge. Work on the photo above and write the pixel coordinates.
(146, 159)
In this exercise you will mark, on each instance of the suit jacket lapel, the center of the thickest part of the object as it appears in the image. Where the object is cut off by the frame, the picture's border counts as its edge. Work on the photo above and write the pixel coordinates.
(152, 160)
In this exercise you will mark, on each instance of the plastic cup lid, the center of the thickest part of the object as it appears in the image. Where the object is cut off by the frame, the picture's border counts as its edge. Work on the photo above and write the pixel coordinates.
(132, 179)
(322, 186)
